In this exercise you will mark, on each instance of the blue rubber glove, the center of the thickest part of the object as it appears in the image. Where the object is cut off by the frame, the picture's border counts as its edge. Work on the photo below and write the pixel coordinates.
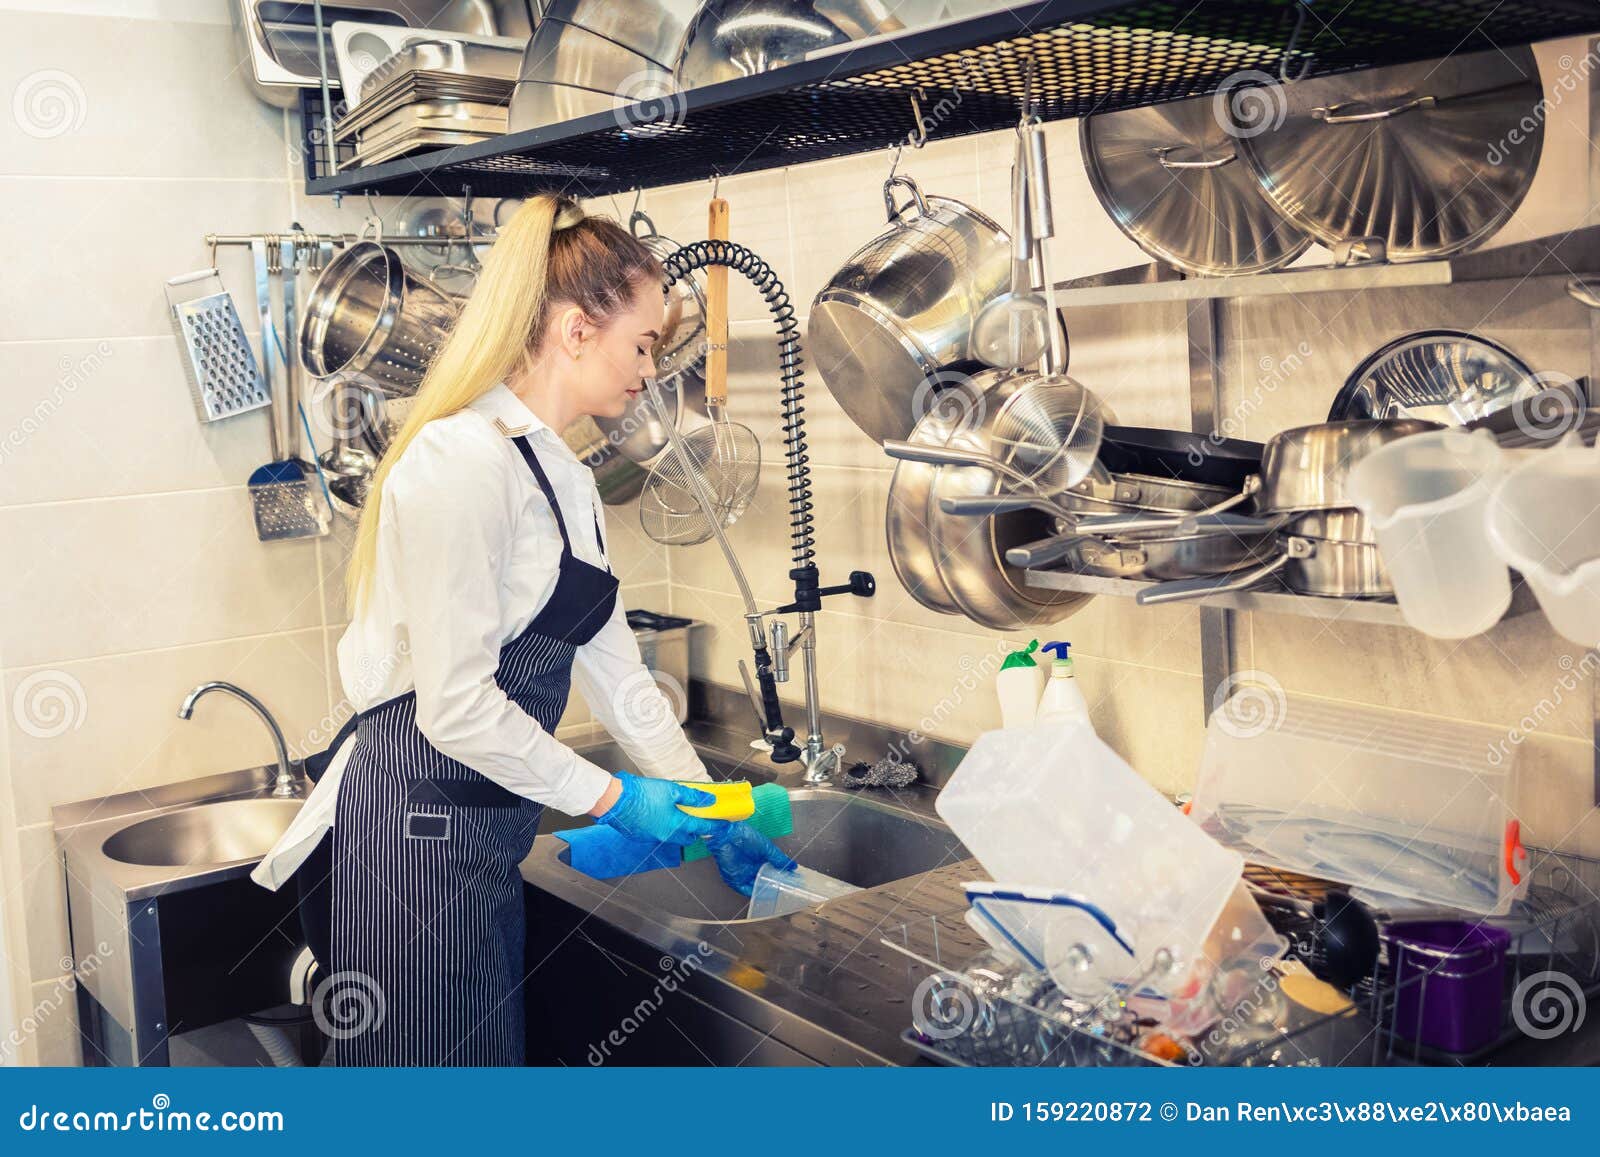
(740, 850)
(647, 810)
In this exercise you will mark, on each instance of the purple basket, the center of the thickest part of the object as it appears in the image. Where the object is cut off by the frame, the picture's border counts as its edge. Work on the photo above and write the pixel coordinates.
(1449, 982)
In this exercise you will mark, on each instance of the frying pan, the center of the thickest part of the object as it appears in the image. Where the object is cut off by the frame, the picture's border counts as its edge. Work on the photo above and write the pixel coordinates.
(1201, 458)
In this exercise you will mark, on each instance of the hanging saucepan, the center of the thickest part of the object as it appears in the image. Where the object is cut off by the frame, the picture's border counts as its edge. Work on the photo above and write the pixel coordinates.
(1430, 158)
(1002, 447)
(901, 309)
(1441, 375)
(906, 516)
(681, 351)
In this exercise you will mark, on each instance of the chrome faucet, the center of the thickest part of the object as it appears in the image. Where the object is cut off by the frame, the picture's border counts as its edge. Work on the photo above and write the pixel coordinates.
(286, 785)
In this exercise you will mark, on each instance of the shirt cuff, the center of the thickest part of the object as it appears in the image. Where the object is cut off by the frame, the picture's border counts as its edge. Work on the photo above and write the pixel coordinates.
(583, 789)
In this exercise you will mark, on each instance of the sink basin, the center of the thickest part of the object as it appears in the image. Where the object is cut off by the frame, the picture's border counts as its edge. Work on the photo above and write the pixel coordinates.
(213, 833)
(857, 840)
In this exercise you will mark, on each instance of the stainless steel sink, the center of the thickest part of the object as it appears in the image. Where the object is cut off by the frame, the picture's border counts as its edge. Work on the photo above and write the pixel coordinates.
(851, 837)
(212, 833)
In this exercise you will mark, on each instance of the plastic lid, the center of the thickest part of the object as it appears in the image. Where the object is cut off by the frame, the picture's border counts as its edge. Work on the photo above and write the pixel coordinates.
(1023, 658)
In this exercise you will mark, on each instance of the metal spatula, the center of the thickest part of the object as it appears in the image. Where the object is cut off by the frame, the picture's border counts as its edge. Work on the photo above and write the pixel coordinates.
(281, 497)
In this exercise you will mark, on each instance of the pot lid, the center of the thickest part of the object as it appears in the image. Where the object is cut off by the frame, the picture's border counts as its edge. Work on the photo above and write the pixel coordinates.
(1431, 157)
(1171, 179)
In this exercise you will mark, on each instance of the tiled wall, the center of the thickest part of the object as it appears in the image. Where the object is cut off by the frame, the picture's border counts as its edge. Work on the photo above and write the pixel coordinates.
(890, 659)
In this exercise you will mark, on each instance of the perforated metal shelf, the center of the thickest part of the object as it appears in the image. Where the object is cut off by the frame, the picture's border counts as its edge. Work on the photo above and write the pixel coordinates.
(1088, 57)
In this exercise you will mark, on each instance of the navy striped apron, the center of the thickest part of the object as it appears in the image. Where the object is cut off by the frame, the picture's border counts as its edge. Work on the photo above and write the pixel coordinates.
(427, 921)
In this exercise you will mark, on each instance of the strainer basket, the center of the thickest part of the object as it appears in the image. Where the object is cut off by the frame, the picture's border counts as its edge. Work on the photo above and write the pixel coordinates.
(368, 315)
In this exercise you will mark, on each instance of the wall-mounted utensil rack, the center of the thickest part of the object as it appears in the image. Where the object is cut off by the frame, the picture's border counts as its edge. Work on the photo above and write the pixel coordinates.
(1089, 56)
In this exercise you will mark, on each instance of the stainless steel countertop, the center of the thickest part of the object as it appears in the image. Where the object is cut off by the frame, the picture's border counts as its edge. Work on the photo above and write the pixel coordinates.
(821, 975)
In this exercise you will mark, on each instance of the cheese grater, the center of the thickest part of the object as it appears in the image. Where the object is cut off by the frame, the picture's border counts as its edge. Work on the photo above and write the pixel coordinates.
(224, 378)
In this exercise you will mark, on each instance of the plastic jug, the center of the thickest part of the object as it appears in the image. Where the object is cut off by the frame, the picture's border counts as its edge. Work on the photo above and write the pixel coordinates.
(1425, 497)
(1544, 520)
(1054, 807)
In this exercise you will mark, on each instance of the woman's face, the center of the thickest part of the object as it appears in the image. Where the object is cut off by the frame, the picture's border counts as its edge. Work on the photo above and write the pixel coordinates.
(616, 356)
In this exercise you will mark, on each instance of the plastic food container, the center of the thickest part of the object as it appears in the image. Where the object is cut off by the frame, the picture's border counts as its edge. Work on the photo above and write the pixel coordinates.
(1544, 519)
(1052, 805)
(1378, 799)
(1425, 497)
(777, 893)
(1449, 983)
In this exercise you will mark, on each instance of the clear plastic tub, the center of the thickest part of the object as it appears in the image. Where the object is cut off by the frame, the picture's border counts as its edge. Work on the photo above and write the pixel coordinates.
(1425, 497)
(1054, 807)
(1382, 800)
(777, 893)
(1544, 520)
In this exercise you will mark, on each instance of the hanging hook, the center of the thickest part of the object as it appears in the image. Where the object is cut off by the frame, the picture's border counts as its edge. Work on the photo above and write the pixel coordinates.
(716, 183)
(372, 209)
(1289, 49)
(1027, 88)
(894, 162)
(213, 251)
(919, 131)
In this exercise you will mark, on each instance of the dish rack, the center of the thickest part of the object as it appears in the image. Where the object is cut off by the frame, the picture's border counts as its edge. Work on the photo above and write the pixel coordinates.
(972, 1007)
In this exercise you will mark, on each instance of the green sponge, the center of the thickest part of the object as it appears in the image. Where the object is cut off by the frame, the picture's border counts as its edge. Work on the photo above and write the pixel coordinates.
(773, 818)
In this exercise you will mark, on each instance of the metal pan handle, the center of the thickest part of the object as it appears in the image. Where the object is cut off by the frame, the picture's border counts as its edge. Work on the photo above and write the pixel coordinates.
(1185, 589)
(1043, 552)
(1129, 523)
(979, 506)
(945, 456)
(1178, 166)
(1330, 115)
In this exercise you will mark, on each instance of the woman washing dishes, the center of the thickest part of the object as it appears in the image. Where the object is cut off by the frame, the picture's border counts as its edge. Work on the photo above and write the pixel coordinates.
(480, 593)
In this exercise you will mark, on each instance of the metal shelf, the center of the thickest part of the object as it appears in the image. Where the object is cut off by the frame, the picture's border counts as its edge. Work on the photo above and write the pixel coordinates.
(1272, 602)
(1575, 254)
(1089, 56)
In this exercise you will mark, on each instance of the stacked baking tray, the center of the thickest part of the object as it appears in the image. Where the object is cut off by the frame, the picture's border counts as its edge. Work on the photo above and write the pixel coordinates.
(431, 95)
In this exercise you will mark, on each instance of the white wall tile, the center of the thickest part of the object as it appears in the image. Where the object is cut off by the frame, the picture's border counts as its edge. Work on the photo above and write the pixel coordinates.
(52, 1016)
(98, 419)
(41, 889)
(102, 96)
(114, 725)
(102, 277)
(126, 574)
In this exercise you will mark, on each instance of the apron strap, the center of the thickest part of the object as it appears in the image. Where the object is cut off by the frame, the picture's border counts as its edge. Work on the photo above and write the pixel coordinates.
(543, 480)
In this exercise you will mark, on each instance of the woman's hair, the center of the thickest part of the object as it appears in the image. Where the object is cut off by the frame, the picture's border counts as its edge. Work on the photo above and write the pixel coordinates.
(549, 254)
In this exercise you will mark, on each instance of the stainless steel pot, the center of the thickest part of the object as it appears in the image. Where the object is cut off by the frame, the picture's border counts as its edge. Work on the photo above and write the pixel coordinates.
(901, 308)
(1307, 566)
(368, 315)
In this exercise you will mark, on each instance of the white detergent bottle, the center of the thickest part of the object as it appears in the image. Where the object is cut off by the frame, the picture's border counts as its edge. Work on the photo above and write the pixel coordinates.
(1062, 701)
(1017, 686)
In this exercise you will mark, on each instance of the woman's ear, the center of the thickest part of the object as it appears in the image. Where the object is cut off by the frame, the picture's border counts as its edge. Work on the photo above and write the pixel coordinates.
(572, 329)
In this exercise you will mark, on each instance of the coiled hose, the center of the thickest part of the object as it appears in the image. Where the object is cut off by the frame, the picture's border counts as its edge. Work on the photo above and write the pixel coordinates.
(702, 254)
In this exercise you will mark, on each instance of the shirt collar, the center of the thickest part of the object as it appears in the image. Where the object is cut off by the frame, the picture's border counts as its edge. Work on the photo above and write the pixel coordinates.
(511, 416)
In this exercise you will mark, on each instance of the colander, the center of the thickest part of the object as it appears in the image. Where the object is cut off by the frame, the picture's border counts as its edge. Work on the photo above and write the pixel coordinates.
(368, 315)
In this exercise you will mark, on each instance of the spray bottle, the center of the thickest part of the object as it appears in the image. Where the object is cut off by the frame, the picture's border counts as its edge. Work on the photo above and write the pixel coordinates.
(1017, 686)
(1062, 701)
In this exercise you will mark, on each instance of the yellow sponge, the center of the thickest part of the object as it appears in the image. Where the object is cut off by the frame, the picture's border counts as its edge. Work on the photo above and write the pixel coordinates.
(734, 801)
(773, 818)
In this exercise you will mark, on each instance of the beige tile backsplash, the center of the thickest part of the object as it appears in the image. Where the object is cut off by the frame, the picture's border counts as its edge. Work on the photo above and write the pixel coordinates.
(132, 571)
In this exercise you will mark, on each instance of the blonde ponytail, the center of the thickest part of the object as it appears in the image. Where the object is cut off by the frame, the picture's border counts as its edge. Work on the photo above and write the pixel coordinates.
(549, 251)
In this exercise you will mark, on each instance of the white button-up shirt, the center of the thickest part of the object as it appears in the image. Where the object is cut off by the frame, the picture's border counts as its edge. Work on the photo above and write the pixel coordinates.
(468, 552)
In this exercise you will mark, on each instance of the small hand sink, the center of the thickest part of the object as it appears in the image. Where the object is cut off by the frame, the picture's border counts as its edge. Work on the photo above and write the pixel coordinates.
(857, 840)
(212, 833)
